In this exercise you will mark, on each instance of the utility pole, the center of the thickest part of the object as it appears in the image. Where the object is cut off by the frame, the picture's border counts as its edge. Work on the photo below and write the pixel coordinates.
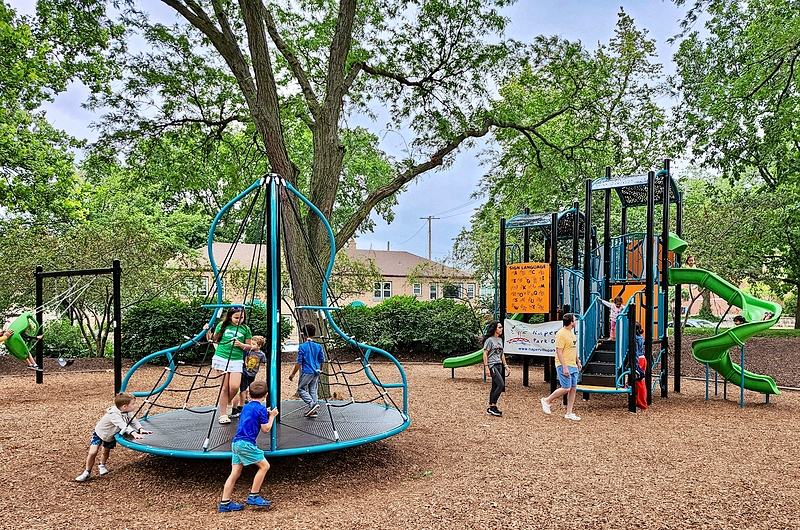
(429, 218)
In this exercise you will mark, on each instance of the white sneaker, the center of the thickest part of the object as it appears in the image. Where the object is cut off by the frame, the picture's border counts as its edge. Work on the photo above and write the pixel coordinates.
(572, 417)
(102, 469)
(545, 406)
(312, 410)
(83, 477)
(224, 419)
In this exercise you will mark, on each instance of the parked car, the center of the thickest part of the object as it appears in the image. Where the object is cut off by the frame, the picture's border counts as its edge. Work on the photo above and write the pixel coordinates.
(698, 323)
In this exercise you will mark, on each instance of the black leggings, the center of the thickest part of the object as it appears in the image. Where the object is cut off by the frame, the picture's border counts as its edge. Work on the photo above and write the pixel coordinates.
(498, 375)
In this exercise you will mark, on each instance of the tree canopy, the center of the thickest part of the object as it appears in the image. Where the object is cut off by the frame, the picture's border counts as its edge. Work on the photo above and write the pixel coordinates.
(738, 114)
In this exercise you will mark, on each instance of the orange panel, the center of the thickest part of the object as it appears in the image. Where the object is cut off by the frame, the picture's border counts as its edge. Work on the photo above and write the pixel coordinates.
(528, 288)
(629, 289)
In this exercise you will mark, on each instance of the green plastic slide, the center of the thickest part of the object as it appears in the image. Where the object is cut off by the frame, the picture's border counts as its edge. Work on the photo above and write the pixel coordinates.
(471, 358)
(714, 350)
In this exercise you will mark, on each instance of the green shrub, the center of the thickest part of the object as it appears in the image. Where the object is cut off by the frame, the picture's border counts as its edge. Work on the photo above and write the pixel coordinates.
(405, 324)
(62, 339)
(159, 324)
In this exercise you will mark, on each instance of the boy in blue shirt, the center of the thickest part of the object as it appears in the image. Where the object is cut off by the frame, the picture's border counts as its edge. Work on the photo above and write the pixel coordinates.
(309, 359)
(255, 418)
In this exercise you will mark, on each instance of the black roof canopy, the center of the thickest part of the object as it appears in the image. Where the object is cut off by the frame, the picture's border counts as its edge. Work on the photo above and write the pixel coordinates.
(543, 221)
(632, 189)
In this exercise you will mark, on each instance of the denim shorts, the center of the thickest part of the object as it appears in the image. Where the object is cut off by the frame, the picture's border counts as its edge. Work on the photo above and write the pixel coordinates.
(246, 453)
(568, 381)
(96, 440)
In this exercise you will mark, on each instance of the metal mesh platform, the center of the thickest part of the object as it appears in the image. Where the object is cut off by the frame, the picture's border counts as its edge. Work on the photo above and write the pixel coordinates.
(183, 433)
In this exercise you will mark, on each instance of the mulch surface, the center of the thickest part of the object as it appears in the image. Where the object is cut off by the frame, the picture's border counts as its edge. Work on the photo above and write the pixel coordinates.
(684, 463)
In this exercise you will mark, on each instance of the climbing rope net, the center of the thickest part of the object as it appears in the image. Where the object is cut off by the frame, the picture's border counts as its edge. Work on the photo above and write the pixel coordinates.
(350, 377)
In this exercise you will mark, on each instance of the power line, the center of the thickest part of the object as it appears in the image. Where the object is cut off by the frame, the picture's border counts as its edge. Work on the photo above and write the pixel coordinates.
(415, 234)
(454, 208)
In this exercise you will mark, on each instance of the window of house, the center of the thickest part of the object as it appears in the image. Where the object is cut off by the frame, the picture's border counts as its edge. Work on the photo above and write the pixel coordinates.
(470, 291)
(452, 290)
(382, 291)
(434, 291)
(196, 286)
(417, 289)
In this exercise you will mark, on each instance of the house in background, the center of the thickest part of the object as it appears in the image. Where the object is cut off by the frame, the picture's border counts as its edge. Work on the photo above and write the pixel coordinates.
(406, 274)
(402, 273)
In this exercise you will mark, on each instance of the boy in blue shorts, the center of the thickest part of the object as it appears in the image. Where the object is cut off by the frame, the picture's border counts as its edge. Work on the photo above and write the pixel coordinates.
(255, 418)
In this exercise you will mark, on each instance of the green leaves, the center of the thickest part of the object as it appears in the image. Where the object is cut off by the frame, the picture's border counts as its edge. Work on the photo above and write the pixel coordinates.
(563, 117)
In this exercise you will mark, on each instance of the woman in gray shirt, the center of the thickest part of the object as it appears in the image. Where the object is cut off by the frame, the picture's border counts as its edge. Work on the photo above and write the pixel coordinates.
(495, 360)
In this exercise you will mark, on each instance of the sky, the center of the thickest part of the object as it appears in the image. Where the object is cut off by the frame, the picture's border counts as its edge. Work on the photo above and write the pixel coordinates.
(445, 194)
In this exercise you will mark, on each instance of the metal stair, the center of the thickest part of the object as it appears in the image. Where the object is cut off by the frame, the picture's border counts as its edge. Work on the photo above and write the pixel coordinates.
(600, 369)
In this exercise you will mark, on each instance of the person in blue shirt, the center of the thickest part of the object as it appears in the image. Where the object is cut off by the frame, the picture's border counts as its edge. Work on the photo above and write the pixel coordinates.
(255, 418)
(310, 358)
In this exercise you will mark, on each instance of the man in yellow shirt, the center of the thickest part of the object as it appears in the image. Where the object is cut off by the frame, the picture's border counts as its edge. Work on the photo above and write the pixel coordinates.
(568, 366)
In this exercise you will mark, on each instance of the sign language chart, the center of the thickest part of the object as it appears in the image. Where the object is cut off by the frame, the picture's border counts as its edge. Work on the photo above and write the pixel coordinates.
(528, 288)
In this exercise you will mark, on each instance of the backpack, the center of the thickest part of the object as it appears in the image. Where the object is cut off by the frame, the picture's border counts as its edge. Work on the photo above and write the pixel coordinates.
(639, 372)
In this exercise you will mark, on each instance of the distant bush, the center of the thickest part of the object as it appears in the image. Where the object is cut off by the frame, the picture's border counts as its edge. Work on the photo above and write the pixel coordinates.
(162, 323)
(405, 324)
(62, 339)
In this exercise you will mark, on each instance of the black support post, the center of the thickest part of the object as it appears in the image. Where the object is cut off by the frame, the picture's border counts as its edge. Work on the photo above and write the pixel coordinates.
(39, 320)
(663, 311)
(554, 283)
(116, 287)
(607, 254)
(501, 309)
(587, 249)
(649, 285)
(678, 335)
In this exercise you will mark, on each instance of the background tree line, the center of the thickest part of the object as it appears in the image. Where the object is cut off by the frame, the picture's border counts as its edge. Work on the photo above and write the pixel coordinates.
(194, 111)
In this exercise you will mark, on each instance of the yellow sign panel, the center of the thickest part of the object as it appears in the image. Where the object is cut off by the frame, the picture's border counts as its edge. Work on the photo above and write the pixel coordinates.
(528, 288)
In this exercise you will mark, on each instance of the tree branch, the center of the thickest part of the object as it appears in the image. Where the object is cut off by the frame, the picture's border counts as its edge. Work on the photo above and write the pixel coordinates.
(294, 62)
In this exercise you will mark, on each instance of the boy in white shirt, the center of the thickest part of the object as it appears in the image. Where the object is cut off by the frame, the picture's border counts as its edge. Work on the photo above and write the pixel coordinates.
(119, 418)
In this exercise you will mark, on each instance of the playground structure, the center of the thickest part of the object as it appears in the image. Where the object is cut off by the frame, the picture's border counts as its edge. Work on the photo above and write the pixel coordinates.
(358, 408)
(639, 267)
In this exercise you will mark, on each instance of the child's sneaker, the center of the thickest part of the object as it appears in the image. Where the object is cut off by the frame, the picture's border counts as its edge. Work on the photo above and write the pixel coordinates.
(230, 507)
(83, 477)
(102, 469)
(312, 410)
(497, 411)
(492, 411)
(34, 367)
(224, 419)
(256, 501)
(573, 417)
(236, 412)
(545, 406)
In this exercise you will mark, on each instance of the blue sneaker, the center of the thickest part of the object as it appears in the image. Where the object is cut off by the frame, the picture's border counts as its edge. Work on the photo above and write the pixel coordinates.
(257, 501)
(230, 507)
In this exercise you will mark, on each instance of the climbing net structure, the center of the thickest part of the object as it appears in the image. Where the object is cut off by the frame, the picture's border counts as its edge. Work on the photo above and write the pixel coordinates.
(180, 402)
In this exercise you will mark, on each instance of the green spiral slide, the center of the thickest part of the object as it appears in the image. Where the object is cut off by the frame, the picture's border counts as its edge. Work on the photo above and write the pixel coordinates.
(714, 350)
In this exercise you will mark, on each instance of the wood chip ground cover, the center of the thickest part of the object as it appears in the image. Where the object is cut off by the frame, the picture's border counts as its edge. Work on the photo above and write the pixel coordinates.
(685, 463)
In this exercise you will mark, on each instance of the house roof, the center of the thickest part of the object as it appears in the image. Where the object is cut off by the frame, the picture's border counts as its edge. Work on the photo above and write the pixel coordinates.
(400, 263)
(226, 254)
(389, 262)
